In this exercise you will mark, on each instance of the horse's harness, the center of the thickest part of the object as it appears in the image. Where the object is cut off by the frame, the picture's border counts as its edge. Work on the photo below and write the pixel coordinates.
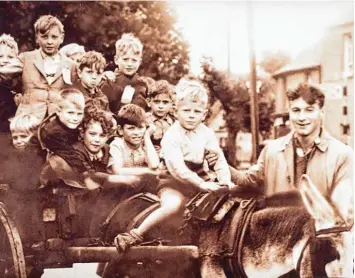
(207, 208)
(321, 233)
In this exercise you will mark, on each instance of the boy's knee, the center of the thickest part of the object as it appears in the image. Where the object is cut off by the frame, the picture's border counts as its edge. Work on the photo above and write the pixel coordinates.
(175, 204)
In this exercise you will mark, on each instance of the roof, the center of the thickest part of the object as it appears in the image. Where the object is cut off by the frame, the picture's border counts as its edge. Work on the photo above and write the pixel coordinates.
(307, 59)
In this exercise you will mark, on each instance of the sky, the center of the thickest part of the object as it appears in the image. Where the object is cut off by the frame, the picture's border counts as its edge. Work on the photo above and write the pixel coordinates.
(288, 26)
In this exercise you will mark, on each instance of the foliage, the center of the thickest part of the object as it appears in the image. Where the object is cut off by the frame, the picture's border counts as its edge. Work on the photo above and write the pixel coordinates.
(235, 99)
(273, 61)
(97, 26)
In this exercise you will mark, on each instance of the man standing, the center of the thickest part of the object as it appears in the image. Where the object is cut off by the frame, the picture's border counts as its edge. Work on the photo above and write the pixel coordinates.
(308, 149)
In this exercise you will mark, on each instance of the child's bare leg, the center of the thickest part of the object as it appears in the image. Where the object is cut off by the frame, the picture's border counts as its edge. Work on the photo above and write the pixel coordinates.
(172, 203)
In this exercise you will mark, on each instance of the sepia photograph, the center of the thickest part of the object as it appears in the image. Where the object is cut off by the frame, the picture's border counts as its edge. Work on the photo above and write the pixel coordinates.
(177, 139)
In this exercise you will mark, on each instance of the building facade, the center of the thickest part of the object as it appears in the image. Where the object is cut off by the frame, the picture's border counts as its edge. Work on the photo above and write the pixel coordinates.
(330, 64)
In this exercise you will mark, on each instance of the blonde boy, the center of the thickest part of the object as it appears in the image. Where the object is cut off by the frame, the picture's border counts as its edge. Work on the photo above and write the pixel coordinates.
(183, 147)
(73, 51)
(10, 68)
(45, 70)
(23, 128)
(61, 130)
(128, 86)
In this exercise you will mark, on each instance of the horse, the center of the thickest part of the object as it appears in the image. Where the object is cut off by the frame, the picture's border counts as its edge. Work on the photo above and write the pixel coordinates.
(280, 238)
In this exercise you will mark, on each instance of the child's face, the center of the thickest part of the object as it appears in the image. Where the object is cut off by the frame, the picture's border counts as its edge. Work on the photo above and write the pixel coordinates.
(132, 134)
(50, 42)
(70, 115)
(6, 54)
(191, 114)
(161, 105)
(20, 139)
(90, 77)
(128, 63)
(94, 137)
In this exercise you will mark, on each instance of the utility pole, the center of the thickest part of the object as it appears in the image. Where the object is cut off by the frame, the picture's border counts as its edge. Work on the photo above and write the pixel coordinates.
(254, 105)
(228, 40)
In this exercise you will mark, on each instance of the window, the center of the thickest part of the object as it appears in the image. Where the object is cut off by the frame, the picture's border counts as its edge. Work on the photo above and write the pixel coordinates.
(346, 129)
(345, 110)
(348, 55)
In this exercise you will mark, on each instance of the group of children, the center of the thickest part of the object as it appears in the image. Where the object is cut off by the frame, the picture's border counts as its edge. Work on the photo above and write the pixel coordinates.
(110, 122)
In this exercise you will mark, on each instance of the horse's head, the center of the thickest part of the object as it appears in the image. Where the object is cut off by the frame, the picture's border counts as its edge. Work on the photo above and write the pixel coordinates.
(331, 222)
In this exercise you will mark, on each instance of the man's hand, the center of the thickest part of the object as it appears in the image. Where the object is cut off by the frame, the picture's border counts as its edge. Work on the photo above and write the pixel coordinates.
(211, 158)
(209, 186)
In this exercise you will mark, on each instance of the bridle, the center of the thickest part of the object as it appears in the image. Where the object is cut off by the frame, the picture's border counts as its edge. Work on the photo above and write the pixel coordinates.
(320, 234)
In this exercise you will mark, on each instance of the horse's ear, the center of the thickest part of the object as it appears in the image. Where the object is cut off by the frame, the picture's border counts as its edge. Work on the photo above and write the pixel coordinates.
(318, 206)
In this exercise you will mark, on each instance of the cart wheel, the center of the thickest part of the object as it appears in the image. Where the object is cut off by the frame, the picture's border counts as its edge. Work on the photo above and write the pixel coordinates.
(12, 260)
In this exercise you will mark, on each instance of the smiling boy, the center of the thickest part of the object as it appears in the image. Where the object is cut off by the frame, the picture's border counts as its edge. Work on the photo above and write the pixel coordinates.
(135, 148)
(128, 86)
(60, 131)
(45, 70)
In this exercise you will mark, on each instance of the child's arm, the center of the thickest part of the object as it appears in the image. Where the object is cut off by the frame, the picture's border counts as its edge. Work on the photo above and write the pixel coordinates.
(221, 166)
(152, 157)
(11, 70)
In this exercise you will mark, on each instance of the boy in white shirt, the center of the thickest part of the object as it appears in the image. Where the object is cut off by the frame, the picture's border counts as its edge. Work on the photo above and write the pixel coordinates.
(183, 149)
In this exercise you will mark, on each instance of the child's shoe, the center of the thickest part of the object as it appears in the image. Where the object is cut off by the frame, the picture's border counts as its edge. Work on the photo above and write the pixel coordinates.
(126, 240)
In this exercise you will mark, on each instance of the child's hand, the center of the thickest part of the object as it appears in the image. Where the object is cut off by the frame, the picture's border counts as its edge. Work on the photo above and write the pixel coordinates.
(91, 184)
(109, 75)
(209, 186)
(230, 185)
(17, 99)
(150, 130)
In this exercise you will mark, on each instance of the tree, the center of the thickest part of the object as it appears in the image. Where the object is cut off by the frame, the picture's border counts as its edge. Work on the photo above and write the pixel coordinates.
(273, 61)
(233, 95)
(235, 99)
(97, 26)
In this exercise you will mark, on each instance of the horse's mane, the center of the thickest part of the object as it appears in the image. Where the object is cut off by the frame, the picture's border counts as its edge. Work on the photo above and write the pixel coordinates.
(283, 225)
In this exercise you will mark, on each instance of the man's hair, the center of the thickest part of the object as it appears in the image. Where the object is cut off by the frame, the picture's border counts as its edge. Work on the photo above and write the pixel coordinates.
(9, 41)
(191, 90)
(47, 22)
(95, 114)
(72, 95)
(131, 114)
(92, 59)
(309, 93)
(162, 87)
(71, 49)
(128, 42)
(24, 123)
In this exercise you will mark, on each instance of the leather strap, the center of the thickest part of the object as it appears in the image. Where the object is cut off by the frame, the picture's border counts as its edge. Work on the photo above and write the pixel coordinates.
(237, 230)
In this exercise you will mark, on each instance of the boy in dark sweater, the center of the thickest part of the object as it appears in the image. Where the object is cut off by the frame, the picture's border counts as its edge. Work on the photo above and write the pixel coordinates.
(128, 86)
(60, 131)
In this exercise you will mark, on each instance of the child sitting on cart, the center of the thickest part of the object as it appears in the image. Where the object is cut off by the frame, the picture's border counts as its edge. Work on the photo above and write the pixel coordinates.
(183, 150)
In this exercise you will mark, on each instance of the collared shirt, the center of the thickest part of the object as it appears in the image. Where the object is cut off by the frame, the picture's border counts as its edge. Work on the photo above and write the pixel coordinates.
(181, 147)
(161, 126)
(122, 155)
(95, 97)
(329, 165)
(50, 65)
(301, 158)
